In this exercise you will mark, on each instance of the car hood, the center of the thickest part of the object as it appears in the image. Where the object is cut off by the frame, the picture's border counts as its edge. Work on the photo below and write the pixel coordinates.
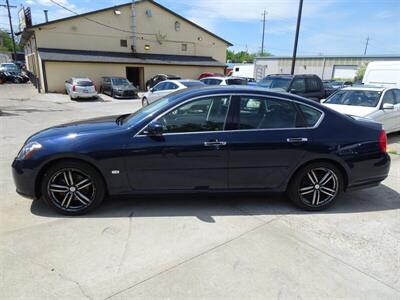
(124, 87)
(359, 111)
(89, 126)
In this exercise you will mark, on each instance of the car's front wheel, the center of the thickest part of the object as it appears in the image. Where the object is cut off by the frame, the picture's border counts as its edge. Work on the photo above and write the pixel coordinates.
(316, 186)
(72, 187)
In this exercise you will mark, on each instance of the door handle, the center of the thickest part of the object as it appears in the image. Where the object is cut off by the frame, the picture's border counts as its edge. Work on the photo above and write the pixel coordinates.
(297, 140)
(214, 143)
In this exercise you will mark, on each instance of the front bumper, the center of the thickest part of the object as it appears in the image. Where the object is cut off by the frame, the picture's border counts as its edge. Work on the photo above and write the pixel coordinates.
(24, 179)
(83, 95)
(126, 94)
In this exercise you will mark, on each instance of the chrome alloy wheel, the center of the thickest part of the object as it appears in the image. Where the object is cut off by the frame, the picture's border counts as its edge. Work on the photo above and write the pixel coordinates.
(71, 189)
(318, 187)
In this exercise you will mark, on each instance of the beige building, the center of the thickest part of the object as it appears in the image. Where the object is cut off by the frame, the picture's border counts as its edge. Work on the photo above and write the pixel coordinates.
(136, 41)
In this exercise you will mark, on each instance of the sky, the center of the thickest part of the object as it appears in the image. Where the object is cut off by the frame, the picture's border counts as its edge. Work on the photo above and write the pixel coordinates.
(328, 27)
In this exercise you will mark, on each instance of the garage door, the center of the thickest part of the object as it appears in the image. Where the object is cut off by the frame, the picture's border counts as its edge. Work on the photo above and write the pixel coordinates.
(344, 72)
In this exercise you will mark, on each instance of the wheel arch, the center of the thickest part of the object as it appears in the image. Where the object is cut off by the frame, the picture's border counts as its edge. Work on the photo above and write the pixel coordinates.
(49, 163)
(340, 166)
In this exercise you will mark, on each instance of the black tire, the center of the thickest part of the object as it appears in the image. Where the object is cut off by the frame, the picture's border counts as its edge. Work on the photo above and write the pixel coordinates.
(145, 102)
(73, 197)
(316, 192)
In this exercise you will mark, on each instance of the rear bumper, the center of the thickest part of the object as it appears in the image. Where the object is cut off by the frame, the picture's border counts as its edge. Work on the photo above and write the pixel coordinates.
(369, 173)
(24, 179)
(83, 95)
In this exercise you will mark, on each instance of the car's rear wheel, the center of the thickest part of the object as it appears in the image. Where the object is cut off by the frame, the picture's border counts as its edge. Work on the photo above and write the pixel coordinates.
(145, 102)
(72, 188)
(316, 186)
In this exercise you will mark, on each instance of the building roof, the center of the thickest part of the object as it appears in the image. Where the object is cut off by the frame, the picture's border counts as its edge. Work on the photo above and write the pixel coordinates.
(395, 56)
(130, 3)
(51, 54)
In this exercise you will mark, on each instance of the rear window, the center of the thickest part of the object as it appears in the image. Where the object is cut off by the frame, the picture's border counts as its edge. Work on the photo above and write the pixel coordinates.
(236, 81)
(84, 83)
(192, 83)
(311, 115)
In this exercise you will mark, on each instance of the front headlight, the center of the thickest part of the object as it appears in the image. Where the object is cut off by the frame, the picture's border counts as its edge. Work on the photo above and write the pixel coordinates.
(28, 150)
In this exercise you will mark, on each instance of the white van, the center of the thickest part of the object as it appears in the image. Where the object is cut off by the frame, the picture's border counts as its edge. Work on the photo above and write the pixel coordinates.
(383, 73)
(243, 70)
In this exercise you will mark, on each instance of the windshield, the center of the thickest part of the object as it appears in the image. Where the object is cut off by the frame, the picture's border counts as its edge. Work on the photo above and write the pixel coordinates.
(192, 83)
(236, 81)
(355, 98)
(120, 81)
(274, 82)
(10, 67)
(147, 110)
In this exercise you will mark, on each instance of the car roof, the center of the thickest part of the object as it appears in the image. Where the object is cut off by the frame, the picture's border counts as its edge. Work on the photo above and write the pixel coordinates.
(81, 78)
(365, 88)
(213, 77)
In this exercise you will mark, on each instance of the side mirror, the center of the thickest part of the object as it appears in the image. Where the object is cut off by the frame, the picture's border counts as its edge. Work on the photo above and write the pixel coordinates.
(151, 90)
(293, 91)
(388, 106)
(322, 100)
(155, 128)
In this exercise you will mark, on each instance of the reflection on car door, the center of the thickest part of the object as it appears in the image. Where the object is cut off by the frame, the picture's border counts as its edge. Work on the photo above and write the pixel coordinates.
(190, 154)
(387, 116)
(267, 142)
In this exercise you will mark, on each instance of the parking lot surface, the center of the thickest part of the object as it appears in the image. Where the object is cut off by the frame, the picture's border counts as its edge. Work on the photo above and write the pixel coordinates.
(188, 247)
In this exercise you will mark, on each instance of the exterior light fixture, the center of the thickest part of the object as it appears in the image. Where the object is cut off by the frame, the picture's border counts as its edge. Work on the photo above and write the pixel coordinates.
(147, 47)
(177, 26)
(117, 12)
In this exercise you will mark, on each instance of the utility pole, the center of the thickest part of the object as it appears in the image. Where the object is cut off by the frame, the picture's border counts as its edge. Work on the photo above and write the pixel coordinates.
(11, 26)
(296, 39)
(366, 45)
(263, 33)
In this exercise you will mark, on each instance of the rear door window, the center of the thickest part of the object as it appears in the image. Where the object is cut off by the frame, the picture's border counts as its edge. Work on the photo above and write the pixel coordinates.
(313, 85)
(299, 85)
(397, 96)
(311, 115)
(266, 113)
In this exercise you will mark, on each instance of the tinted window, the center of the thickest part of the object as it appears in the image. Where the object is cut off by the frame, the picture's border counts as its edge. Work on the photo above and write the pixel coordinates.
(236, 81)
(311, 115)
(106, 80)
(397, 95)
(207, 114)
(160, 87)
(389, 97)
(299, 85)
(192, 83)
(355, 98)
(170, 86)
(274, 83)
(313, 85)
(84, 83)
(263, 113)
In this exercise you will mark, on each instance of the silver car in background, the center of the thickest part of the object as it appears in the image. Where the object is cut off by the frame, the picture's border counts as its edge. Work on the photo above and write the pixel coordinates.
(377, 103)
(80, 87)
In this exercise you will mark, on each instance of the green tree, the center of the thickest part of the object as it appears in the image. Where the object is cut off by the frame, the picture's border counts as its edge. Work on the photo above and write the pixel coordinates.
(361, 72)
(6, 42)
(242, 56)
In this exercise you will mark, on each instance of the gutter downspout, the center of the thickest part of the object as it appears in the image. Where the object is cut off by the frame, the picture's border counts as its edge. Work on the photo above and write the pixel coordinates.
(133, 27)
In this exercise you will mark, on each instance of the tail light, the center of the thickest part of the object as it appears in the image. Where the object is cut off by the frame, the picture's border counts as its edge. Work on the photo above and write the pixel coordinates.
(382, 141)
(74, 88)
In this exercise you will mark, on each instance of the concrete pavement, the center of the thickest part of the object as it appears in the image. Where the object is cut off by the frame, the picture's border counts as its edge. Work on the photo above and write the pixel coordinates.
(188, 247)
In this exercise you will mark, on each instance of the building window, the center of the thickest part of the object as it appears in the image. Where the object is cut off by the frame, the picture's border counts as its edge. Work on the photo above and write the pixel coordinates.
(177, 26)
(124, 43)
(184, 47)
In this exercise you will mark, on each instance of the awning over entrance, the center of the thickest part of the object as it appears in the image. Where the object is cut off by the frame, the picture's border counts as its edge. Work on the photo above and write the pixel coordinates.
(65, 55)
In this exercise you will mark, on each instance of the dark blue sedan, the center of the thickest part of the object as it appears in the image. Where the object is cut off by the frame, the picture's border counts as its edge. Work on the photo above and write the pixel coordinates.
(207, 139)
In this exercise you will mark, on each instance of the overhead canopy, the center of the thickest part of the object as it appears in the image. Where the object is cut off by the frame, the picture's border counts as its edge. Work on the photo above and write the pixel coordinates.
(50, 54)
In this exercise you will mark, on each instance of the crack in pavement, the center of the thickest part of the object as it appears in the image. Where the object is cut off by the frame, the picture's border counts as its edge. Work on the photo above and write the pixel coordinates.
(124, 253)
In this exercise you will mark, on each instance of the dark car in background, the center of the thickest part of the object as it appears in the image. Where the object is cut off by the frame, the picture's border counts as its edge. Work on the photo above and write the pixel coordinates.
(331, 86)
(210, 139)
(306, 85)
(118, 87)
(158, 78)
